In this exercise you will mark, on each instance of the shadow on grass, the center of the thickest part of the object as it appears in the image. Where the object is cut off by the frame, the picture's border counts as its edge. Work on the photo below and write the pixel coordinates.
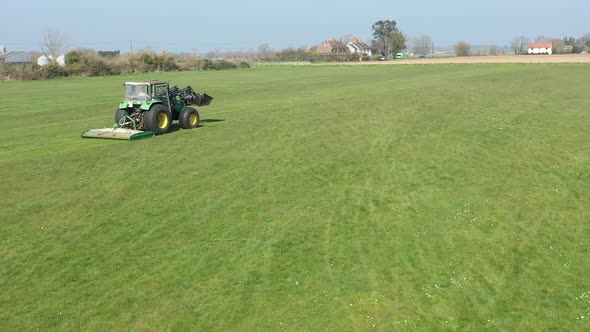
(174, 127)
(211, 120)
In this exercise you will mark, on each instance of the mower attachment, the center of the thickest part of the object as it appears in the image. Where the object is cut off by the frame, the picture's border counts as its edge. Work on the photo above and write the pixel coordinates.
(119, 133)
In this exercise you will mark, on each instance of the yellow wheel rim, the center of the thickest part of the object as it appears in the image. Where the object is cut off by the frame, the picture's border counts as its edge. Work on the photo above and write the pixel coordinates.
(193, 119)
(162, 120)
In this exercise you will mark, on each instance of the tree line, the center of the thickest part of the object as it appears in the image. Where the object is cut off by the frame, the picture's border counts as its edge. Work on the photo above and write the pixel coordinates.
(90, 63)
(387, 41)
(566, 45)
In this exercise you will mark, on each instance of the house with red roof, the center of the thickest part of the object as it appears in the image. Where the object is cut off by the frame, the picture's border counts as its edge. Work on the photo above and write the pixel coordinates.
(541, 48)
(331, 47)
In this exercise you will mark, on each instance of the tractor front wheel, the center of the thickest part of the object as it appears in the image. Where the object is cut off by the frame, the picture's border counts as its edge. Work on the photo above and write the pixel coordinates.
(189, 118)
(157, 119)
(119, 114)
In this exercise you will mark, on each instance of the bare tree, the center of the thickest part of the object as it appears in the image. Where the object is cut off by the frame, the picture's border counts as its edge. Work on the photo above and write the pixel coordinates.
(264, 52)
(422, 45)
(213, 54)
(559, 47)
(462, 49)
(53, 42)
(543, 39)
(493, 50)
(519, 44)
(584, 42)
(339, 47)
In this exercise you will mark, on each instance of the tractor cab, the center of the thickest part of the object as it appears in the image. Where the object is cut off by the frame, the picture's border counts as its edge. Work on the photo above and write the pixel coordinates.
(146, 93)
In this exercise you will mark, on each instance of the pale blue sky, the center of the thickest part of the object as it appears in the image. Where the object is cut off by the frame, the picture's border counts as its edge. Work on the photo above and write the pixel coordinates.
(227, 25)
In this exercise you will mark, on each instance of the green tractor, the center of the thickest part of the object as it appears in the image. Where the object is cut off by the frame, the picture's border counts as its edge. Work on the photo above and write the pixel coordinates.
(150, 108)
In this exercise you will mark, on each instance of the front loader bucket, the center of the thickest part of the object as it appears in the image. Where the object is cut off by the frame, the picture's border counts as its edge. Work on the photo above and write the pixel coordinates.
(122, 134)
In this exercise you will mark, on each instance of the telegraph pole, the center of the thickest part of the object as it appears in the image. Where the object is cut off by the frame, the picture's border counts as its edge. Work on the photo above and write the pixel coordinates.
(433, 49)
(132, 59)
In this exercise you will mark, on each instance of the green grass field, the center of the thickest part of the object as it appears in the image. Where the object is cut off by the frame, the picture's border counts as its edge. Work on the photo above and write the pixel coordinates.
(312, 198)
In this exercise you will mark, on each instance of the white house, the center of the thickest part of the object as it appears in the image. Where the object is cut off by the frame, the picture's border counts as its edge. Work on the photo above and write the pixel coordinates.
(356, 46)
(3, 49)
(541, 48)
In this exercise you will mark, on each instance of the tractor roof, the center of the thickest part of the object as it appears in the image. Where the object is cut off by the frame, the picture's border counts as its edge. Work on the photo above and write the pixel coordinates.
(145, 82)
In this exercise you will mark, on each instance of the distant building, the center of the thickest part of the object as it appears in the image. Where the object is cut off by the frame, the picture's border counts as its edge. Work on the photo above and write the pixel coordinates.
(541, 48)
(357, 46)
(109, 54)
(15, 58)
(331, 47)
(2, 49)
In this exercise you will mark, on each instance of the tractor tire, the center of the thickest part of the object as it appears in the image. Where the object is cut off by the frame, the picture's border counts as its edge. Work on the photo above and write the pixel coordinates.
(157, 120)
(119, 114)
(189, 118)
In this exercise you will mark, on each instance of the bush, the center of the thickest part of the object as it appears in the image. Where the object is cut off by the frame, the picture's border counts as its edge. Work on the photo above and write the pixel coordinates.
(204, 64)
(462, 49)
(73, 57)
(53, 70)
(220, 65)
(97, 67)
(149, 62)
(88, 63)
(190, 62)
(80, 63)
(493, 51)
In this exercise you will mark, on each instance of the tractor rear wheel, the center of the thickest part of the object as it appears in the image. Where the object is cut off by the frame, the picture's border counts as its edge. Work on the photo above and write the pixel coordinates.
(157, 119)
(189, 118)
(119, 114)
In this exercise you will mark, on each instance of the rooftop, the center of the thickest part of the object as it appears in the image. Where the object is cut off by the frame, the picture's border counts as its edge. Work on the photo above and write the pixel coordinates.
(145, 82)
(541, 45)
(9, 54)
